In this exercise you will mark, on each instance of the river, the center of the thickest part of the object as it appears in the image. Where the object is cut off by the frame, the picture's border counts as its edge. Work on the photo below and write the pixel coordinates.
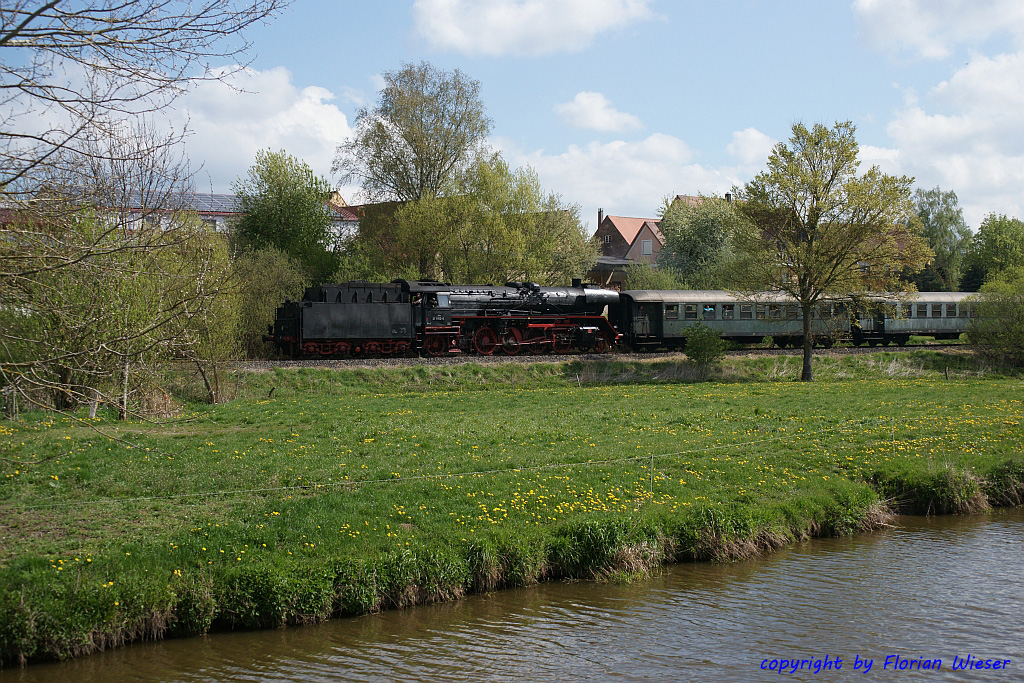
(929, 589)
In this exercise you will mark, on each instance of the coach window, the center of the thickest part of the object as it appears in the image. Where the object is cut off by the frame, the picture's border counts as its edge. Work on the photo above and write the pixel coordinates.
(791, 312)
(760, 311)
(746, 311)
(671, 311)
(728, 311)
(690, 311)
(709, 311)
(773, 311)
(922, 310)
(950, 310)
(963, 310)
(936, 310)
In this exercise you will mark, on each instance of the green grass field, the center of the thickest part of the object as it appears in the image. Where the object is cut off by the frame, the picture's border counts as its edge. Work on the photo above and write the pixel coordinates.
(320, 493)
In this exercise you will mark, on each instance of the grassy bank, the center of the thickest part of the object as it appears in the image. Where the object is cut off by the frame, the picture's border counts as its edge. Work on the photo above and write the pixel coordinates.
(321, 493)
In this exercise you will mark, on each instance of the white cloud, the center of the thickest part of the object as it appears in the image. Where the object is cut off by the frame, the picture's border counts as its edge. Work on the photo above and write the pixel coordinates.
(972, 145)
(932, 28)
(521, 27)
(593, 111)
(751, 147)
(623, 178)
(252, 110)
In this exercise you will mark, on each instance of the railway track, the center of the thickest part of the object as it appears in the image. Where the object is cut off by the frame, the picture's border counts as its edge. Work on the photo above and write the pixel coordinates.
(455, 359)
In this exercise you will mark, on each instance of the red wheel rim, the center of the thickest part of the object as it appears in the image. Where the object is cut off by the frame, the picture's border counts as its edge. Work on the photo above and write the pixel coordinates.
(512, 342)
(485, 341)
(435, 346)
(537, 342)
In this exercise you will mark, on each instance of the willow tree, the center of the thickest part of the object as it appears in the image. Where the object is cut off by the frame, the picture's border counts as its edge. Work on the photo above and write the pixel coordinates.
(817, 229)
(427, 127)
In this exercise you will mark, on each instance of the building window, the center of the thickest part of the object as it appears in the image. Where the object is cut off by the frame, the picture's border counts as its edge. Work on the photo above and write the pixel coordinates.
(607, 239)
(646, 247)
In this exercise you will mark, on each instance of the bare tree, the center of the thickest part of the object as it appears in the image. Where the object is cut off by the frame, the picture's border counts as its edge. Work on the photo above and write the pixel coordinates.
(68, 68)
(102, 267)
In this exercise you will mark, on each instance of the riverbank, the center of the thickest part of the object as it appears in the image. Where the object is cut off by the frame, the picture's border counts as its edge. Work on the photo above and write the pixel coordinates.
(324, 493)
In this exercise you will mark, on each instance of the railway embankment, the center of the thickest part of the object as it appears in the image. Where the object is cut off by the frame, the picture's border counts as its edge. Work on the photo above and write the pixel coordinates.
(318, 493)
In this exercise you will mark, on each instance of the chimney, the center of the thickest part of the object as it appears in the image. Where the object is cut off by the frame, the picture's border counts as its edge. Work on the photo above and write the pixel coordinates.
(728, 196)
(600, 217)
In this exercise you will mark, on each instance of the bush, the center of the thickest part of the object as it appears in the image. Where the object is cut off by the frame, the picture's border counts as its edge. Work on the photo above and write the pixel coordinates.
(704, 345)
(997, 331)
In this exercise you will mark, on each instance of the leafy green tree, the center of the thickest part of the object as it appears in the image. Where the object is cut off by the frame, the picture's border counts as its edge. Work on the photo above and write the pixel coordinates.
(427, 128)
(698, 240)
(943, 225)
(498, 225)
(646, 276)
(284, 206)
(997, 246)
(997, 330)
(815, 228)
(263, 279)
(105, 323)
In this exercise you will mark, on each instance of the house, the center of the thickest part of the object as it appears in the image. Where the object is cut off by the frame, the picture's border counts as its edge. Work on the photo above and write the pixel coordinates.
(216, 210)
(626, 241)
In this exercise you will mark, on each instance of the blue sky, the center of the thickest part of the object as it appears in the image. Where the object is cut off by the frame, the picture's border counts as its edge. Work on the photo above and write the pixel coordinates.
(620, 103)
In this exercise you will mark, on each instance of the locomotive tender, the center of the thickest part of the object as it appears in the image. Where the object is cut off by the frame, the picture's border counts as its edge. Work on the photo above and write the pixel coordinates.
(433, 318)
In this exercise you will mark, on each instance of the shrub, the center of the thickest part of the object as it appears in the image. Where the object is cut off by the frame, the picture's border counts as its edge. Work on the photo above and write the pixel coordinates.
(704, 345)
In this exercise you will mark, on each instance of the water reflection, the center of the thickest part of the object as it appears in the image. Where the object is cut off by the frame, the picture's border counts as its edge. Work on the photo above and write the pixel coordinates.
(933, 588)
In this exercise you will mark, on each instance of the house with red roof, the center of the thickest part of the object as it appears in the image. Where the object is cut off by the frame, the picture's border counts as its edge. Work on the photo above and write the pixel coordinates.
(625, 240)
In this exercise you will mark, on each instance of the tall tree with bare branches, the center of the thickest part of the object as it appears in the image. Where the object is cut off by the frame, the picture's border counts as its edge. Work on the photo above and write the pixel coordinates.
(93, 199)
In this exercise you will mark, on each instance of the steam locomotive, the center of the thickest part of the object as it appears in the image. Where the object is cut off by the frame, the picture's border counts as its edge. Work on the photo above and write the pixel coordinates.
(435, 319)
(432, 318)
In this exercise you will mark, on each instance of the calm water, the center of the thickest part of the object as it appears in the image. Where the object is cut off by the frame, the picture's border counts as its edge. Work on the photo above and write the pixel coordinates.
(932, 589)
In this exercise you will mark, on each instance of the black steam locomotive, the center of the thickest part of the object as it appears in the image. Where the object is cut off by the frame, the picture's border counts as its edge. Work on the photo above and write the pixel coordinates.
(432, 318)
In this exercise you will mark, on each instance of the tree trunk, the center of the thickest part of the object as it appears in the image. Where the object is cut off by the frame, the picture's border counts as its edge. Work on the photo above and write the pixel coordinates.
(122, 410)
(212, 389)
(806, 375)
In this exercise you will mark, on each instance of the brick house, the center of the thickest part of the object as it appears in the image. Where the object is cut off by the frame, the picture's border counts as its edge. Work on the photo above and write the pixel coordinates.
(624, 240)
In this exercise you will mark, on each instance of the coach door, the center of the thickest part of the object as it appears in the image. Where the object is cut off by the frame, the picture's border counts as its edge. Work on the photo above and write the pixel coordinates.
(642, 316)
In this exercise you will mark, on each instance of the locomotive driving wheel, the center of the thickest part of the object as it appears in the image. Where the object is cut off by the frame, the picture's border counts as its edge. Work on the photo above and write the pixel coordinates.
(512, 342)
(601, 345)
(434, 345)
(537, 342)
(561, 342)
(485, 341)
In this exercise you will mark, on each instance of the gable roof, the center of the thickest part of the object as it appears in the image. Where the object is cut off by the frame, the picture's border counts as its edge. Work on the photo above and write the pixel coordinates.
(655, 227)
(630, 227)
